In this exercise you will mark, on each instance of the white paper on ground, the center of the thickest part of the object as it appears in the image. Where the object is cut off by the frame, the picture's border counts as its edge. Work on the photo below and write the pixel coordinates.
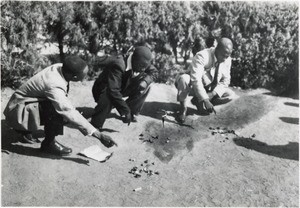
(96, 153)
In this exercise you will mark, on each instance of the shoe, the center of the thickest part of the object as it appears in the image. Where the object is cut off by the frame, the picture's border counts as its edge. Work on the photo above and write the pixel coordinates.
(182, 117)
(55, 148)
(28, 138)
(220, 101)
(200, 109)
(182, 114)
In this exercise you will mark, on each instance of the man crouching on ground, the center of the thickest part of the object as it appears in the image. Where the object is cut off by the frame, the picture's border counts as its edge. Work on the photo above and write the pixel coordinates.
(43, 100)
(207, 80)
(123, 77)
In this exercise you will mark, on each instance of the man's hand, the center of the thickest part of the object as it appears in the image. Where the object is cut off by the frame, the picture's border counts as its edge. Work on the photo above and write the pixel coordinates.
(209, 106)
(106, 140)
(128, 118)
(142, 86)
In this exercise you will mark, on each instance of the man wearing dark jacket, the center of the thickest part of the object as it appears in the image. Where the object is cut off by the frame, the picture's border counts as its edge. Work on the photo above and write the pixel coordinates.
(119, 79)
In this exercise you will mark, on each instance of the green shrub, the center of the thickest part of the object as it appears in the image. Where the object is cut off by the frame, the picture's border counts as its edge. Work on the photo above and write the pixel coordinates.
(265, 36)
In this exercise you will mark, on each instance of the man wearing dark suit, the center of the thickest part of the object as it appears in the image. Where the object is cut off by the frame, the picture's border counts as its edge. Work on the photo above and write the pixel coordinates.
(130, 77)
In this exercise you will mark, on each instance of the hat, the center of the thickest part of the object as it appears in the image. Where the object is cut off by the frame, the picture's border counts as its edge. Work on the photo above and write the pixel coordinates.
(141, 58)
(74, 65)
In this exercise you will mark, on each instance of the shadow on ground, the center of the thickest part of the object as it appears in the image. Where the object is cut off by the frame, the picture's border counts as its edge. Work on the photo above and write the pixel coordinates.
(173, 139)
(290, 120)
(289, 151)
(239, 113)
(293, 95)
(292, 104)
(168, 141)
(10, 144)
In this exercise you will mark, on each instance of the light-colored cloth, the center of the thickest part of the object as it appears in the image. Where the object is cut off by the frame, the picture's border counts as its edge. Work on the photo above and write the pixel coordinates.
(202, 71)
(185, 90)
(22, 111)
(129, 66)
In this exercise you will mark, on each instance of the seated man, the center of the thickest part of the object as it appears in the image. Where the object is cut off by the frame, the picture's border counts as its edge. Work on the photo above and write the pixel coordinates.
(42, 100)
(120, 80)
(207, 79)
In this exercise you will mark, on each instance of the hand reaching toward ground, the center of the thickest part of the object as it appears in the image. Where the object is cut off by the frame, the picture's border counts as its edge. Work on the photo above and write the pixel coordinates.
(106, 140)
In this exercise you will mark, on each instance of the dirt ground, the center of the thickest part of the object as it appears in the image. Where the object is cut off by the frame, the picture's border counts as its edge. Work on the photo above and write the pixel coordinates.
(256, 166)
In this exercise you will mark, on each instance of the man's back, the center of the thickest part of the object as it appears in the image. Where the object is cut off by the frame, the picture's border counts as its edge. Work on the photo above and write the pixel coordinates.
(39, 84)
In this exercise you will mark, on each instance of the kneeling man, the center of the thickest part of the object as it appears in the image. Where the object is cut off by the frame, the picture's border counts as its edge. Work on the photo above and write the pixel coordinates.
(207, 79)
(123, 77)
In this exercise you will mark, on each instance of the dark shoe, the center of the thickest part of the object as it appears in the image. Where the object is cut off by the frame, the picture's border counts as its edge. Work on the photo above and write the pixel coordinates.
(220, 101)
(28, 138)
(182, 117)
(200, 108)
(182, 114)
(55, 148)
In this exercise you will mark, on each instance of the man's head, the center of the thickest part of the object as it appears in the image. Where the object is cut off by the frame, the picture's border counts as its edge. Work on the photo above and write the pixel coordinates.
(223, 49)
(141, 58)
(74, 68)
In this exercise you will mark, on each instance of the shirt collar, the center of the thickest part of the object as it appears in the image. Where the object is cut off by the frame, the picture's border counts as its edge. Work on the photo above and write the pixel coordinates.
(215, 58)
(59, 69)
(129, 65)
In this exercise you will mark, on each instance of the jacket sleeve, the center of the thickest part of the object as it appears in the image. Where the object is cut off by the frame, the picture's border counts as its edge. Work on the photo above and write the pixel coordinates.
(63, 106)
(114, 89)
(151, 74)
(225, 79)
(196, 72)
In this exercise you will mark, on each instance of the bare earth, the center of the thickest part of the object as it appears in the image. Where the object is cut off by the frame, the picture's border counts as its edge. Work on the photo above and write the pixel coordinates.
(195, 167)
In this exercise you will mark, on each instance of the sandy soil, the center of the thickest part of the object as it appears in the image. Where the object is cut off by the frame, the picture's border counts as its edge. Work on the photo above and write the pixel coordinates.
(195, 167)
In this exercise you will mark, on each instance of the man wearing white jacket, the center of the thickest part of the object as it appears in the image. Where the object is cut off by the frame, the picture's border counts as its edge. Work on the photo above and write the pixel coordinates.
(207, 79)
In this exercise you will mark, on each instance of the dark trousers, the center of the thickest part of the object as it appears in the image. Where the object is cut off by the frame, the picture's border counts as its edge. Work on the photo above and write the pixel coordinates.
(135, 102)
(52, 121)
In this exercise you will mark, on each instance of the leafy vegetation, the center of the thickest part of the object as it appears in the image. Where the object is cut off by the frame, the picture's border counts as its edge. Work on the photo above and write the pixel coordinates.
(265, 36)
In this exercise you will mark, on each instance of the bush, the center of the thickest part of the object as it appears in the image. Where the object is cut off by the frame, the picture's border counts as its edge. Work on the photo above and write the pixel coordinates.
(265, 36)
(265, 39)
(17, 68)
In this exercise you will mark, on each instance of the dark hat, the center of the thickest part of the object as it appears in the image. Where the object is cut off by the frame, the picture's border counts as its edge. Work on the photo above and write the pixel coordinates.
(74, 65)
(141, 58)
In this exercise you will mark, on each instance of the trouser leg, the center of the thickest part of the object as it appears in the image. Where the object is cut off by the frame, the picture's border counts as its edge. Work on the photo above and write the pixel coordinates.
(182, 83)
(102, 110)
(136, 100)
(136, 96)
(52, 121)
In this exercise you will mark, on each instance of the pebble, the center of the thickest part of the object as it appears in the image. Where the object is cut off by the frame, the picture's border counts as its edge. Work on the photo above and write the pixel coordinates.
(138, 189)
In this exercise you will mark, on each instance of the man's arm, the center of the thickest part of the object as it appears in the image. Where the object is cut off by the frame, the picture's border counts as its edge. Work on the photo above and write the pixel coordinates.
(63, 106)
(196, 72)
(114, 89)
(151, 74)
